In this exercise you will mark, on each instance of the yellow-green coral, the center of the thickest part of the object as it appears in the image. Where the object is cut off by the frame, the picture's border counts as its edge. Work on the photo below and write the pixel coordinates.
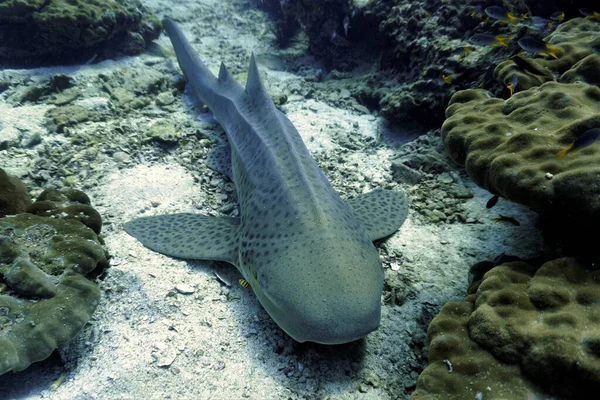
(576, 37)
(523, 331)
(549, 323)
(509, 146)
(45, 296)
(459, 368)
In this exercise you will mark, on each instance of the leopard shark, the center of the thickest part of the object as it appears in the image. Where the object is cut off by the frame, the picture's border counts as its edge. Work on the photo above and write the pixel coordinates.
(307, 253)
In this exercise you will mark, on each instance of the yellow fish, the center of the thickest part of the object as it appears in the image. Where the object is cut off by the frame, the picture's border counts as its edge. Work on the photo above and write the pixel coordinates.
(582, 141)
(536, 45)
(244, 283)
(512, 85)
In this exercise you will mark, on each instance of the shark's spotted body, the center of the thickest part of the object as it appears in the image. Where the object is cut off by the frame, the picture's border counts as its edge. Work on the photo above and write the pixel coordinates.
(307, 254)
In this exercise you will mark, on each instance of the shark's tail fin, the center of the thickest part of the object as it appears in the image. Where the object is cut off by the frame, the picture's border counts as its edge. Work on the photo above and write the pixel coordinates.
(205, 84)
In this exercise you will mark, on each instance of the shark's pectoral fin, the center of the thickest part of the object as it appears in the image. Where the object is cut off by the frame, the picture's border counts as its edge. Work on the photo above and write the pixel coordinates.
(381, 212)
(219, 159)
(188, 235)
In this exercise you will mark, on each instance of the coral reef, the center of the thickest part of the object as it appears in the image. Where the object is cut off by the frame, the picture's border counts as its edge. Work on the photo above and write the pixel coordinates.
(45, 294)
(323, 23)
(426, 49)
(460, 368)
(576, 38)
(48, 32)
(509, 147)
(286, 23)
(520, 327)
(14, 197)
(421, 45)
(69, 204)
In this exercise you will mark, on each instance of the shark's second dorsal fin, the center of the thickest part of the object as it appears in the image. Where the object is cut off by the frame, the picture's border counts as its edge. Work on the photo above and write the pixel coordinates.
(224, 75)
(254, 85)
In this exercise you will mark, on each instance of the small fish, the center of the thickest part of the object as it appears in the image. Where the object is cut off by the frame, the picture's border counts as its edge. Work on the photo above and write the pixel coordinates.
(538, 46)
(462, 52)
(346, 25)
(504, 218)
(590, 13)
(59, 381)
(447, 79)
(487, 77)
(492, 202)
(545, 26)
(477, 12)
(512, 85)
(558, 16)
(244, 283)
(596, 47)
(586, 139)
(531, 68)
(207, 118)
(501, 14)
(354, 13)
(222, 279)
(487, 39)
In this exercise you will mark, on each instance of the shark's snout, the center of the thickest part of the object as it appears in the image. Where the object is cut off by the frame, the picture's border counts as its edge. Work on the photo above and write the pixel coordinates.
(330, 300)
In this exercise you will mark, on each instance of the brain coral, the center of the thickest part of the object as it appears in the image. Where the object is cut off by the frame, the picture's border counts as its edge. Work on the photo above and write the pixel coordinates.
(45, 297)
(524, 328)
(509, 146)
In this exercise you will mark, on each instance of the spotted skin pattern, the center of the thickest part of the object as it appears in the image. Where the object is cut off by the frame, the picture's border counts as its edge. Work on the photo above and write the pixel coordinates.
(307, 254)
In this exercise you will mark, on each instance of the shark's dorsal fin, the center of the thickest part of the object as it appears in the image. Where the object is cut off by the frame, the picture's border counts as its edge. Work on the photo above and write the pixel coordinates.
(253, 83)
(224, 75)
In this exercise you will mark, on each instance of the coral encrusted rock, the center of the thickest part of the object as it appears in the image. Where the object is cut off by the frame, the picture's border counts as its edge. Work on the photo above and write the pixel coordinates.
(46, 296)
(14, 197)
(37, 32)
(524, 332)
(67, 204)
(577, 38)
(510, 147)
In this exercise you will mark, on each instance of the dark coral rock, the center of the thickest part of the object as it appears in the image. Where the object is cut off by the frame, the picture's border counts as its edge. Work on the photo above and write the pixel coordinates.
(426, 56)
(338, 33)
(14, 197)
(34, 32)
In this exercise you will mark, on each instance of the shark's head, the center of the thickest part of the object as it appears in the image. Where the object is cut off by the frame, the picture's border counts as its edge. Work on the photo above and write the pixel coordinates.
(326, 289)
